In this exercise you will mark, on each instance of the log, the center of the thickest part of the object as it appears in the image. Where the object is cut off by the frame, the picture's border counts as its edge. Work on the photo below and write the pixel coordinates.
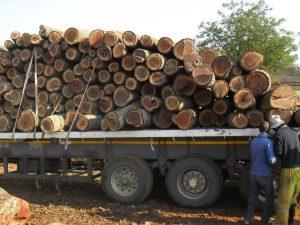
(67, 91)
(73, 54)
(237, 120)
(54, 35)
(123, 97)
(177, 103)
(28, 104)
(96, 38)
(19, 43)
(15, 35)
(98, 64)
(59, 108)
(49, 71)
(185, 119)
(84, 46)
(26, 39)
(140, 55)
(45, 44)
(259, 82)
(251, 61)
(171, 67)
(163, 118)
(43, 97)
(148, 42)
(54, 98)
(6, 62)
(128, 63)
(208, 55)
(27, 121)
(236, 70)
(35, 39)
(109, 89)
(130, 39)
(166, 91)
(141, 73)
(207, 118)
(132, 84)
(106, 104)
(30, 90)
(5, 123)
(25, 55)
(68, 76)
(111, 38)
(54, 50)
(119, 77)
(39, 52)
(53, 84)
(14, 97)
(11, 73)
(48, 58)
(18, 81)
(77, 86)
(151, 103)
(158, 79)
(183, 48)
(5, 87)
(138, 118)
(255, 117)
(104, 53)
(220, 89)
(74, 36)
(17, 63)
(148, 89)
(203, 76)
(104, 76)
(93, 93)
(285, 115)
(184, 85)
(237, 83)
(69, 117)
(244, 99)
(119, 50)
(88, 122)
(281, 97)
(69, 105)
(104, 124)
(9, 45)
(64, 45)
(77, 99)
(220, 121)
(155, 61)
(2, 111)
(60, 65)
(8, 106)
(86, 62)
(14, 114)
(92, 53)
(222, 66)
(165, 45)
(53, 123)
(203, 97)
(89, 76)
(191, 61)
(44, 110)
(40, 68)
(220, 107)
(113, 67)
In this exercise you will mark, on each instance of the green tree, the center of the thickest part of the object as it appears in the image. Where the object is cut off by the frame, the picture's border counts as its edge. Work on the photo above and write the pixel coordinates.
(248, 26)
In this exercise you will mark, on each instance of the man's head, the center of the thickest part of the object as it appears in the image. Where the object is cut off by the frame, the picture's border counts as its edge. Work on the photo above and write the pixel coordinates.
(276, 121)
(264, 127)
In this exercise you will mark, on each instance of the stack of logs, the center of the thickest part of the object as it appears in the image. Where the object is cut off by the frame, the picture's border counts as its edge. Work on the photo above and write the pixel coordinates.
(120, 80)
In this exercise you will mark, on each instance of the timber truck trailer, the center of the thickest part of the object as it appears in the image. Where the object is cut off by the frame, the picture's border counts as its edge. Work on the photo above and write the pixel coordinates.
(195, 162)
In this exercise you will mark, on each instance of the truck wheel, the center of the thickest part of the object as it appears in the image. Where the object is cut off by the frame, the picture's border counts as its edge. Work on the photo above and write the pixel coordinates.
(194, 182)
(127, 180)
(244, 186)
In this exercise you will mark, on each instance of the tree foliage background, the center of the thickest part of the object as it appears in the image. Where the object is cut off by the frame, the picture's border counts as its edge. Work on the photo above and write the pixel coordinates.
(245, 26)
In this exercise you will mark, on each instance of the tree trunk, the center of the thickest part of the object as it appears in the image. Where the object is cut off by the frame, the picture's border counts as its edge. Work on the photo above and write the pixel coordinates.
(244, 99)
(251, 61)
(220, 89)
(222, 66)
(48, 58)
(17, 63)
(185, 119)
(74, 36)
(128, 63)
(140, 55)
(130, 39)
(184, 85)
(5, 123)
(88, 107)
(203, 97)
(119, 50)
(183, 48)
(191, 61)
(163, 118)
(165, 45)
(177, 103)
(158, 79)
(106, 104)
(220, 107)
(53, 84)
(255, 117)
(207, 118)
(141, 73)
(119, 77)
(27, 121)
(88, 122)
(53, 123)
(138, 118)
(208, 55)
(68, 76)
(104, 53)
(237, 120)
(155, 61)
(123, 97)
(237, 83)
(53, 35)
(258, 82)
(166, 91)
(96, 38)
(151, 103)
(148, 89)
(171, 67)
(109, 89)
(203, 76)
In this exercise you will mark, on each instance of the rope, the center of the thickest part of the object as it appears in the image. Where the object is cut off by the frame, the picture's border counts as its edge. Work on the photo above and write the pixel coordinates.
(35, 94)
(22, 96)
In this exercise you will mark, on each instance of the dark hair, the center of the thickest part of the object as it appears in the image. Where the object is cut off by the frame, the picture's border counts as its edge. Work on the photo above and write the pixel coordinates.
(264, 126)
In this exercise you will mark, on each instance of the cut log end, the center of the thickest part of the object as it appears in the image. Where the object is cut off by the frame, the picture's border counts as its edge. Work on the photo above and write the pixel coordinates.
(244, 99)
(251, 61)
(183, 48)
(184, 85)
(185, 119)
(207, 118)
(26, 121)
(222, 66)
(258, 82)
(203, 75)
(151, 103)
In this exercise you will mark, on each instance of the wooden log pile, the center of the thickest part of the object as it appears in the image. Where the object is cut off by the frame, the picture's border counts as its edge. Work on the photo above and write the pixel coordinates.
(120, 80)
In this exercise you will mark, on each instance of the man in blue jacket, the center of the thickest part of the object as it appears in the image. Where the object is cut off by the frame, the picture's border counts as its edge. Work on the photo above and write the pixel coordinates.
(262, 157)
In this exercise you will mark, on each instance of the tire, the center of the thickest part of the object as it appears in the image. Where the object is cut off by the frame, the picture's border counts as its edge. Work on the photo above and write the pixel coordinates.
(244, 186)
(120, 187)
(194, 182)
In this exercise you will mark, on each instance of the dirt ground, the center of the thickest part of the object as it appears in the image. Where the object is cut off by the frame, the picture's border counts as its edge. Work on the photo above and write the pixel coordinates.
(83, 204)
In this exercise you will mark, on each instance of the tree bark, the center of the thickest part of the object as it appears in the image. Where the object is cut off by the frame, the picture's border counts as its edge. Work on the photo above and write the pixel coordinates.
(84, 46)
(123, 97)
(244, 99)
(184, 85)
(285, 115)
(163, 118)
(220, 89)
(203, 97)
(203, 76)
(222, 66)
(237, 83)
(207, 118)
(88, 122)
(53, 123)
(27, 121)
(151, 103)
(259, 82)
(251, 61)
(185, 119)
(69, 117)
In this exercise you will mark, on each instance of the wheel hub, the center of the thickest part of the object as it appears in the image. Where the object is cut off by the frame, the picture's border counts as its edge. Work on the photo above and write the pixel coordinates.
(124, 181)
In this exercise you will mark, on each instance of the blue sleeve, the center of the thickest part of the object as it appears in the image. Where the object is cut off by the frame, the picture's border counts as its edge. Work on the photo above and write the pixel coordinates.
(270, 153)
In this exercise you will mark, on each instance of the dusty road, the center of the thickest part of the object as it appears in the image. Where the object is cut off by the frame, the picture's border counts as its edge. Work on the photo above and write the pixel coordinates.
(83, 204)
